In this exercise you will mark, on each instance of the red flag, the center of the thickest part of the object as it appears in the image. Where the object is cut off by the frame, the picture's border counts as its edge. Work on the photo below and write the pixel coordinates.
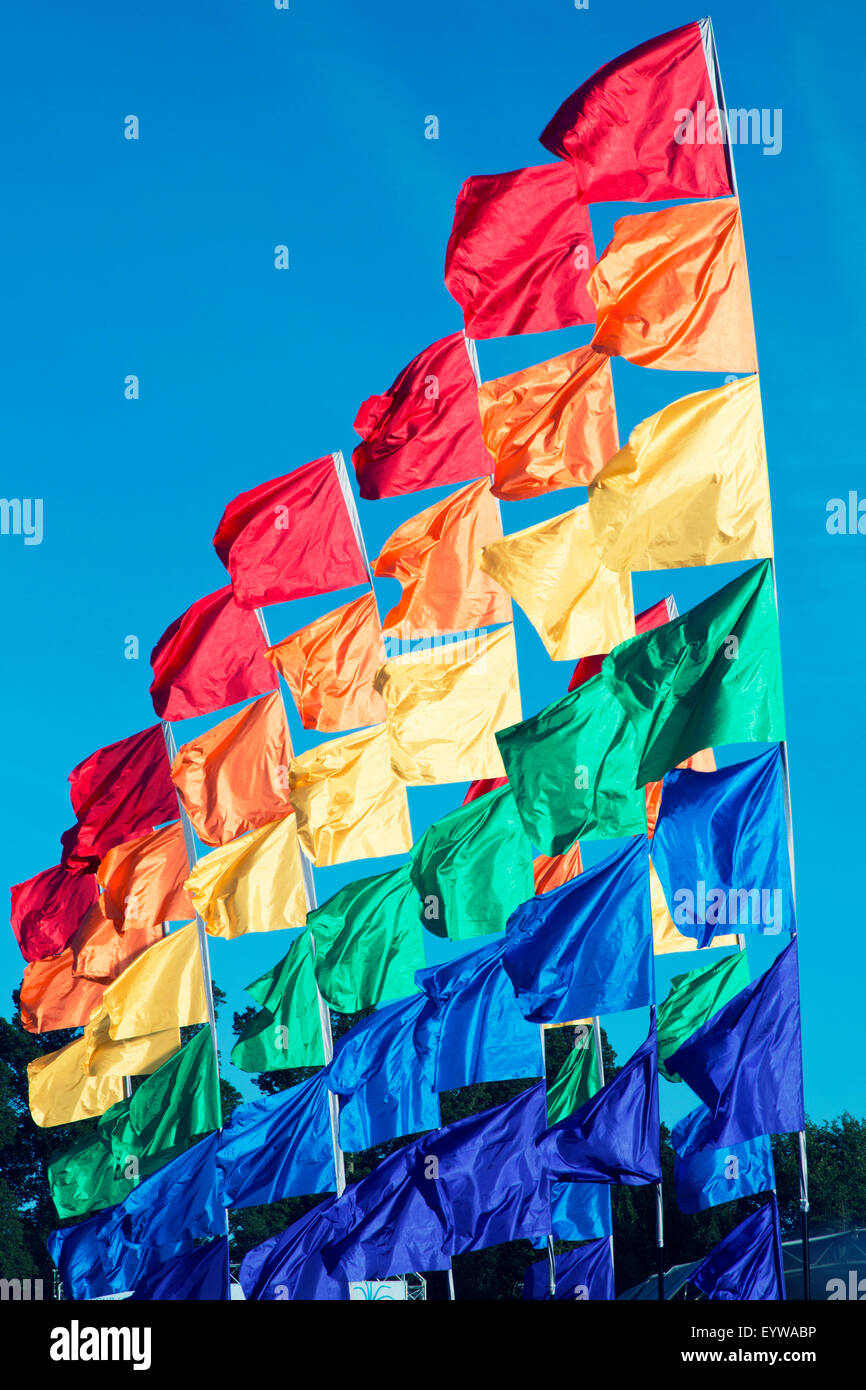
(117, 793)
(47, 910)
(656, 616)
(626, 131)
(290, 538)
(482, 787)
(520, 253)
(425, 431)
(210, 657)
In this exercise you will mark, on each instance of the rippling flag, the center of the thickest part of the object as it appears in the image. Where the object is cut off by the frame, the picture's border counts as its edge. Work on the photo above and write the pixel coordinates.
(667, 939)
(279, 1146)
(745, 1063)
(53, 997)
(202, 1274)
(210, 657)
(162, 989)
(581, 1274)
(47, 911)
(287, 1030)
(585, 948)
(693, 998)
(672, 291)
(348, 801)
(555, 572)
(520, 252)
(550, 426)
(619, 129)
(330, 666)
(100, 952)
(387, 1087)
(289, 1265)
(425, 430)
(710, 677)
(551, 871)
(481, 786)
(578, 1078)
(106, 1056)
(83, 1178)
(80, 1254)
(120, 791)
(434, 557)
(143, 880)
(252, 884)
(747, 1264)
(655, 616)
(475, 1031)
(368, 942)
(472, 867)
(706, 1177)
(61, 1092)
(234, 777)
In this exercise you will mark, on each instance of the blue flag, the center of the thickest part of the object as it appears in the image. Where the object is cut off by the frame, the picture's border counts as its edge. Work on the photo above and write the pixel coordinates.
(584, 1274)
(615, 1136)
(747, 1264)
(585, 948)
(745, 1063)
(706, 1177)
(474, 1183)
(279, 1146)
(387, 1088)
(475, 1031)
(579, 1210)
(289, 1265)
(203, 1274)
(720, 849)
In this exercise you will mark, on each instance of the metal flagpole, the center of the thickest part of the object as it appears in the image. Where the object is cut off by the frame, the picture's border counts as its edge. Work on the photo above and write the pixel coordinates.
(596, 1035)
(551, 1254)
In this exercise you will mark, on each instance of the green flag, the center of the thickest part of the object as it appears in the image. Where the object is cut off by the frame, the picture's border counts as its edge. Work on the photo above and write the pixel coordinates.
(368, 942)
(473, 867)
(577, 1079)
(84, 1179)
(693, 998)
(573, 770)
(167, 1112)
(711, 677)
(287, 1031)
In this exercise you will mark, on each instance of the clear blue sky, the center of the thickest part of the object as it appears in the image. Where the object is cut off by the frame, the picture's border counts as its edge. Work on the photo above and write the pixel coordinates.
(306, 127)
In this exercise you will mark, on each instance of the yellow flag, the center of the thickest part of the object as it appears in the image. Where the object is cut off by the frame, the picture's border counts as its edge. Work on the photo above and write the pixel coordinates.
(445, 705)
(163, 988)
(61, 1093)
(348, 802)
(666, 937)
(553, 570)
(252, 884)
(131, 1057)
(690, 487)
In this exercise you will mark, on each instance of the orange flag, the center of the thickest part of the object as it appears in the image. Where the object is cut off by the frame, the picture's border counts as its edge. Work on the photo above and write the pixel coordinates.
(553, 871)
(433, 556)
(100, 951)
(235, 777)
(52, 997)
(330, 665)
(143, 880)
(550, 426)
(672, 290)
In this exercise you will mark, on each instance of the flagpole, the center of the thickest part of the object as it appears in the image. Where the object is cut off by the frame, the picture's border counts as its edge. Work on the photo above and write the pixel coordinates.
(596, 1035)
(551, 1254)
(309, 883)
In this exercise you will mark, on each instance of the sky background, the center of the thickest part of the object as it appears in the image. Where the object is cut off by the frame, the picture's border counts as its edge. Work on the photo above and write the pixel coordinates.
(156, 257)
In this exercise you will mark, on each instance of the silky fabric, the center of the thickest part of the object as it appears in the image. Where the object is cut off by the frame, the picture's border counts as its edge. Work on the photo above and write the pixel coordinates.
(481, 786)
(433, 556)
(330, 666)
(572, 768)
(120, 791)
(287, 1030)
(475, 1031)
(130, 1057)
(747, 1264)
(349, 803)
(586, 1274)
(289, 1265)
(689, 685)
(252, 884)
(585, 948)
(550, 426)
(472, 867)
(386, 1085)
(143, 880)
(47, 909)
(445, 705)
(689, 488)
(210, 657)
(555, 572)
(672, 290)
(551, 871)
(618, 128)
(80, 1256)
(425, 430)
(705, 1177)
(615, 1136)
(61, 1093)
(83, 1178)
(162, 989)
(52, 997)
(721, 849)
(577, 1080)
(668, 939)
(234, 777)
(368, 942)
(655, 616)
(579, 1211)
(745, 1063)
(100, 952)
(200, 1275)
(520, 252)
(693, 999)
(277, 1147)
(290, 537)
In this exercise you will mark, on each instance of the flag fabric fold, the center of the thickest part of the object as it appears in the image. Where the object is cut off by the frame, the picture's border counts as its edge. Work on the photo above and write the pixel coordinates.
(60, 1091)
(47, 911)
(202, 1274)
(330, 666)
(578, 1078)
(693, 999)
(368, 942)
(143, 880)
(209, 657)
(277, 1147)
(706, 1177)
(252, 884)
(287, 1030)
(119, 792)
(551, 871)
(581, 1274)
(53, 997)
(386, 1085)
(163, 988)
(747, 1264)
